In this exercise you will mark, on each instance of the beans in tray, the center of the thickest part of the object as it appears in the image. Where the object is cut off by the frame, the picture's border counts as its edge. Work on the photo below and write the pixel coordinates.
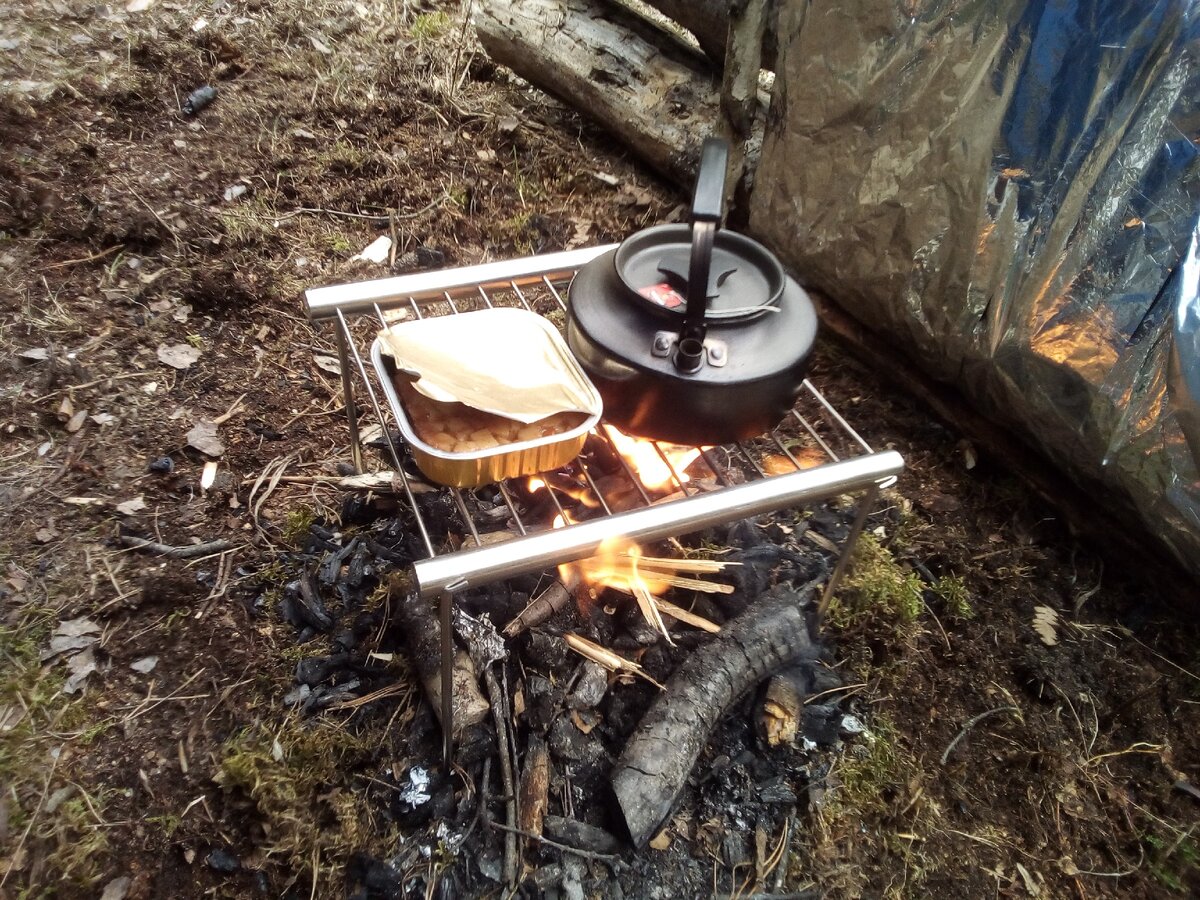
(457, 428)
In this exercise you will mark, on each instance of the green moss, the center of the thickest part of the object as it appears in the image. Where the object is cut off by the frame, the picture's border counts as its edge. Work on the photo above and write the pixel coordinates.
(430, 26)
(296, 526)
(287, 777)
(877, 586)
(1173, 860)
(952, 591)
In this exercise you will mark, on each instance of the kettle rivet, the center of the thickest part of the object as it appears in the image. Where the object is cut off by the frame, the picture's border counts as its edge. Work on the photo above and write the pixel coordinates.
(662, 343)
(716, 352)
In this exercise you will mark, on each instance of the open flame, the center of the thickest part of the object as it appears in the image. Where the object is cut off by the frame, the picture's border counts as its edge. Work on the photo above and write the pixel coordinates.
(618, 561)
(652, 469)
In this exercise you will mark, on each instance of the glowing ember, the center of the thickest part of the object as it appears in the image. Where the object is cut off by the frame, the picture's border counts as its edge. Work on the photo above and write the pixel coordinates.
(644, 458)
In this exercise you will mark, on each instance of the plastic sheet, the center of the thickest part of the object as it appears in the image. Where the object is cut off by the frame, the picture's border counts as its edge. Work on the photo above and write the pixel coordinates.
(1011, 190)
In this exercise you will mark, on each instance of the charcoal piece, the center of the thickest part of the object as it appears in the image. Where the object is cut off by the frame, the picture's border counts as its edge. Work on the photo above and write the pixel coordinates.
(832, 524)
(417, 803)
(658, 663)
(372, 879)
(356, 571)
(775, 790)
(297, 695)
(580, 835)
(475, 744)
(545, 652)
(222, 861)
(590, 686)
(310, 607)
(733, 848)
(821, 723)
(545, 877)
(387, 551)
(542, 701)
(344, 641)
(568, 742)
(314, 669)
(331, 565)
(363, 509)
(495, 600)
(626, 704)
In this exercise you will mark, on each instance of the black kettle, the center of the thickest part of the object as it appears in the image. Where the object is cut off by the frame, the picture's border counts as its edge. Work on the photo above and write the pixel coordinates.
(692, 334)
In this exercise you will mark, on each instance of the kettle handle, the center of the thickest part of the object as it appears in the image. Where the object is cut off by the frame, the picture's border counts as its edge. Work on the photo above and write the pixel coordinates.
(708, 203)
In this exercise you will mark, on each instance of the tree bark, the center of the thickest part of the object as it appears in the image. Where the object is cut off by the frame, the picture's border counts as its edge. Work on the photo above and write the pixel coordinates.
(708, 21)
(771, 635)
(644, 85)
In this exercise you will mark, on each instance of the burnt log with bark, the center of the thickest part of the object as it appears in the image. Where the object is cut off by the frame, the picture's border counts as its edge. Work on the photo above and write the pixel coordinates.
(645, 85)
(770, 635)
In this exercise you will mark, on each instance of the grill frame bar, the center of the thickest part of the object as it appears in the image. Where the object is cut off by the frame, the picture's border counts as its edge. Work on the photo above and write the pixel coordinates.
(857, 468)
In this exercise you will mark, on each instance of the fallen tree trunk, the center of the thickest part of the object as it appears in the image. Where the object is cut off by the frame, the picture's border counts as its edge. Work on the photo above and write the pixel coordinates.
(647, 87)
(771, 635)
(708, 21)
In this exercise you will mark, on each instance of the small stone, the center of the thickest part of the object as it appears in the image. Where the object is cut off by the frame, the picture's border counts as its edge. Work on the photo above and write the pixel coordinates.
(145, 665)
(164, 465)
(117, 888)
(222, 861)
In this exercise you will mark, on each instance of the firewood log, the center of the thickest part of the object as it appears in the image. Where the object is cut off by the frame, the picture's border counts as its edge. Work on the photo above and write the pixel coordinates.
(770, 635)
(645, 85)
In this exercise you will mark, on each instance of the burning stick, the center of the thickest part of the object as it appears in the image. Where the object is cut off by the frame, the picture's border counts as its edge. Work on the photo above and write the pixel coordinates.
(690, 618)
(611, 661)
(696, 566)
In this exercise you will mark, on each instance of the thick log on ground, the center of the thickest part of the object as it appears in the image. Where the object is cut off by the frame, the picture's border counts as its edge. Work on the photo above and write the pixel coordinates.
(649, 89)
(708, 21)
(769, 636)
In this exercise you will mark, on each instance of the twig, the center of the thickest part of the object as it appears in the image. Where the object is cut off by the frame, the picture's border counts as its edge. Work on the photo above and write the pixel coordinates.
(230, 413)
(506, 774)
(161, 221)
(971, 723)
(190, 552)
(565, 848)
(85, 259)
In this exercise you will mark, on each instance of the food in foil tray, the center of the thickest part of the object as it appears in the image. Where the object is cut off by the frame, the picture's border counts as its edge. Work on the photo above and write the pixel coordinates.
(486, 395)
(458, 428)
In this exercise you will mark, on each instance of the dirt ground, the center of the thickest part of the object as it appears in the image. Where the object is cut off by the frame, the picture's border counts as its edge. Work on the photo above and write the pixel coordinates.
(1030, 700)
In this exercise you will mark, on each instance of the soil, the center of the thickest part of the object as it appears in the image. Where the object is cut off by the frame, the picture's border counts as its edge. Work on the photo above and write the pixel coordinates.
(1029, 728)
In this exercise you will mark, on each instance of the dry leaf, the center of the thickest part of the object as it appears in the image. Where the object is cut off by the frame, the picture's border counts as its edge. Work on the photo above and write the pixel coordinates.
(203, 437)
(327, 363)
(178, 356)
(129, 507)
(1045, 621)
(104, 418)
(661, 841)
(35, 354)
(76, 421)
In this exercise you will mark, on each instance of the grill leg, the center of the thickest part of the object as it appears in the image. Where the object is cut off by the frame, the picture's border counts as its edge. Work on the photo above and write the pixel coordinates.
(445, 603)
(356, 454)
(865, 507)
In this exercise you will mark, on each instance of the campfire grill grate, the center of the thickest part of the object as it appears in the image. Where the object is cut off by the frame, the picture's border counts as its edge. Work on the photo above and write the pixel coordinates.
(820, 452)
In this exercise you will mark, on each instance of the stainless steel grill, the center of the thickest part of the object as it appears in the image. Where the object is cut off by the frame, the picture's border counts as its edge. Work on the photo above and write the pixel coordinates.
(812, 456)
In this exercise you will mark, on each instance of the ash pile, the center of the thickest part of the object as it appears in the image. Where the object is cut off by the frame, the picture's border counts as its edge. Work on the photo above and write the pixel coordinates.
(655, 708)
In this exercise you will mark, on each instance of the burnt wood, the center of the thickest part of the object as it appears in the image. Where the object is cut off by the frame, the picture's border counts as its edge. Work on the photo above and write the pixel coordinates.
(770, 635)
(654, 92)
